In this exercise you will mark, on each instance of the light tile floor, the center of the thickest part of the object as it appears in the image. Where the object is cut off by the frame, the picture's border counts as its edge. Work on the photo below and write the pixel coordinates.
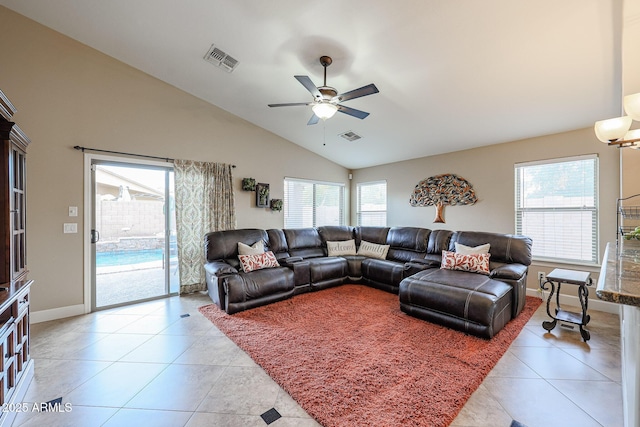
(146, 365)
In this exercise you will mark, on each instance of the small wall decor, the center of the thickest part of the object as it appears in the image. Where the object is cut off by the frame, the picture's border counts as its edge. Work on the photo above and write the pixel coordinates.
(440, 190)
(262, 195)
(248, 184)
(276, 205)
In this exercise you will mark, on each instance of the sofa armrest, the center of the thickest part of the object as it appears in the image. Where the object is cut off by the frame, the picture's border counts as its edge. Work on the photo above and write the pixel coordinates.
(418, 264)
(509, 272)
(219, 268)
(425, 262)
(215, 274)
(301, 271)
(288, 262)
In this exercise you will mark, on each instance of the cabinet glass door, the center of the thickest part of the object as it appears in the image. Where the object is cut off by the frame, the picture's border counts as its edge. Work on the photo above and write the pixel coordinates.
(17, 171)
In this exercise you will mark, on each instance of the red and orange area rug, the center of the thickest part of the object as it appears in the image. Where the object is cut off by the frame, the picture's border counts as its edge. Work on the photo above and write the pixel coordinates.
(350, 357)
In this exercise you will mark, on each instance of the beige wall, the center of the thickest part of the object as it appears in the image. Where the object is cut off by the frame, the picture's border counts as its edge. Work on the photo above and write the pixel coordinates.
(491, 172)
(68, 94)
(631, 85)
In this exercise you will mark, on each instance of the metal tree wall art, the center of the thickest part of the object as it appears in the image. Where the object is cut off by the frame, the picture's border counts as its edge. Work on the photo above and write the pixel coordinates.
(440, 190)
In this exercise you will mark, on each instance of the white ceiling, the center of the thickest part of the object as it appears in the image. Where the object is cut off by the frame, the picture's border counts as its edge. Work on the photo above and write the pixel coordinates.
(452, 74)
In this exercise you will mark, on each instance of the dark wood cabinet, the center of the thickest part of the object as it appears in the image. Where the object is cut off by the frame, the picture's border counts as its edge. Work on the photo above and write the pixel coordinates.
(12, 202)
(16, 366)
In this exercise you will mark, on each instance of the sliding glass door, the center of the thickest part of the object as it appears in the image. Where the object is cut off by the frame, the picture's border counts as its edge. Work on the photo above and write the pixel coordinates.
(133, 237)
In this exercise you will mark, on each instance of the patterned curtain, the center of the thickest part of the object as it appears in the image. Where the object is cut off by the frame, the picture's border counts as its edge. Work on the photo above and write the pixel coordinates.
(204, 203)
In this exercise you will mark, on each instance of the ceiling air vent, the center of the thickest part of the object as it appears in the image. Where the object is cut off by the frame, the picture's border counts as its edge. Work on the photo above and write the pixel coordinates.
(350, 136)
(221, 59)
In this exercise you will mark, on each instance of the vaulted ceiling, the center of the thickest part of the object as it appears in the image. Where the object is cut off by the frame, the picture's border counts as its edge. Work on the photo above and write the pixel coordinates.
(452, 75)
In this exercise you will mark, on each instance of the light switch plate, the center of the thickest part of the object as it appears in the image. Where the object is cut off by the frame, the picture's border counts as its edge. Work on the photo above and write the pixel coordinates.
(70, 227)
(73, 211)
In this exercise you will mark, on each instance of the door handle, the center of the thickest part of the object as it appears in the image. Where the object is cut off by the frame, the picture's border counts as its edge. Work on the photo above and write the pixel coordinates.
(95, 236)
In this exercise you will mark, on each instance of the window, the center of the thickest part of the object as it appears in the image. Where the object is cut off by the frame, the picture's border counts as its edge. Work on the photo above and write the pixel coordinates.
(372, 203)
(312, 204)
(557, 206)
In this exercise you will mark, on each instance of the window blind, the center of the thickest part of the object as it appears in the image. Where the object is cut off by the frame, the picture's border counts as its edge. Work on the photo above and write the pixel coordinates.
(312, 203)
(372, 203)
(557, 206)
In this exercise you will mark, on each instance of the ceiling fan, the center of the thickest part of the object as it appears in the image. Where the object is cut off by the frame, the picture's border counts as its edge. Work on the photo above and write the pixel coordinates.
(326, 99)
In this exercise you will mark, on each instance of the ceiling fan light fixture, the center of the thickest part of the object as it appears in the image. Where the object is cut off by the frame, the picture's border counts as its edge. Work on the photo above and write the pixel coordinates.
(324, 110)
(326, 98)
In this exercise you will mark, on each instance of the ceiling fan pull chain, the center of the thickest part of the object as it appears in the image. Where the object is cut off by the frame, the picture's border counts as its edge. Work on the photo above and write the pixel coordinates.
(324, 132)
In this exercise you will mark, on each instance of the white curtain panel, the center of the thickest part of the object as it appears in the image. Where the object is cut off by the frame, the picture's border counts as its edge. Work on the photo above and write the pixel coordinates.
(204, 203)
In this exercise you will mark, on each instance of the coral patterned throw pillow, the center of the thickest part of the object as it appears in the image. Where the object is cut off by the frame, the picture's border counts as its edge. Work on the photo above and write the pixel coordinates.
(257, 262)
(474, 263)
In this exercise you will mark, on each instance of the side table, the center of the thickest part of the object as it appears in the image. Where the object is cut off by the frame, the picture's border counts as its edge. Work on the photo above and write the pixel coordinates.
(580, 278)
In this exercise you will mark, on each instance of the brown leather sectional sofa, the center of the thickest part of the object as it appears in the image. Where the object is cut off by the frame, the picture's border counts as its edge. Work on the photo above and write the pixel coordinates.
(479, 304)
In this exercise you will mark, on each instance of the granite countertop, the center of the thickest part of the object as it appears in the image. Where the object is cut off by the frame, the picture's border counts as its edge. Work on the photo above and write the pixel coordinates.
(619, 279)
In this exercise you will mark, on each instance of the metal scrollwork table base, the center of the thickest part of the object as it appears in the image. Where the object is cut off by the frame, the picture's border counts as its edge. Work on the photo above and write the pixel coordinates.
(580, 278)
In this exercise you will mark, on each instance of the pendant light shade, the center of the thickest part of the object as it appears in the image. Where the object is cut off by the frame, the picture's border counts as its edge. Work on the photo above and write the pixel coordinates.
(612, 129)
(632, 106)
(634, 136)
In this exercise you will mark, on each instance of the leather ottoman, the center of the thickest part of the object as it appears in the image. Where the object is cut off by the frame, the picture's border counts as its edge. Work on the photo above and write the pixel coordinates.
(472, 303)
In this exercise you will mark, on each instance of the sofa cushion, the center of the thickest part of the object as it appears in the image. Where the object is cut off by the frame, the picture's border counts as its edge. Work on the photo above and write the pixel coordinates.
(347, 247)
(439, 241)
(473, 263)
(371, 234)
(507, 248)
(354, 266)
(411, 238)
(327, 269)
(473, 303)
(336, 233)
(407, 243)
(304, 242)
(373, 250)
(383, 271)
(250, 263)
(249, 290)
(222, 245)
(278, 243)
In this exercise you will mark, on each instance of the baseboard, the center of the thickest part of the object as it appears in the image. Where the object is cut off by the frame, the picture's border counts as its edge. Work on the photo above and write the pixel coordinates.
(594, 302)
(56, 313)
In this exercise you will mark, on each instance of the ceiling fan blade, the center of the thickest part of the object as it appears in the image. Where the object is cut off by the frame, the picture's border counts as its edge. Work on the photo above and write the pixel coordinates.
(357, 93)
(313, 120)
(291, 104)
(309, 85)
(352, 112)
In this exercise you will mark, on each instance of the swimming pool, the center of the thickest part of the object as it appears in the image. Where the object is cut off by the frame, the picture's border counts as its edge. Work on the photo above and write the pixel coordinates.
(110, 259)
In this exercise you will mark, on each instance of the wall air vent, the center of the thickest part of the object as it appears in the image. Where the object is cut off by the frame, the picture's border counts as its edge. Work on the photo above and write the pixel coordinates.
(350, 136)
(221, 59)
